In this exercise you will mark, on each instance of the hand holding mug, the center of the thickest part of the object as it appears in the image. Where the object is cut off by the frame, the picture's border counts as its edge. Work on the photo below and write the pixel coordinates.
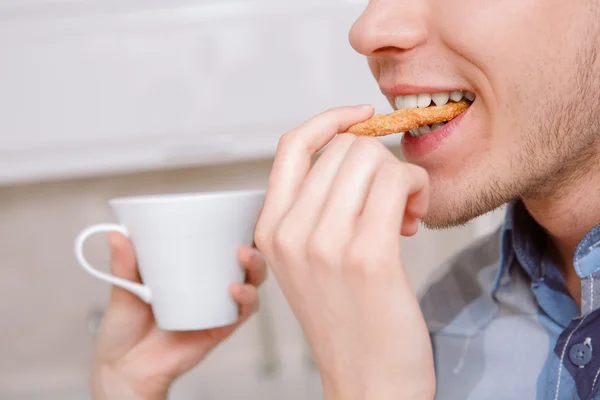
(134, 359)
(182, 284)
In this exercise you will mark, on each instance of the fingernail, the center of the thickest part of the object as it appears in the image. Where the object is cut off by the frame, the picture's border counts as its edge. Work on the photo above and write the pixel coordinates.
(243, 289)
(364, 107)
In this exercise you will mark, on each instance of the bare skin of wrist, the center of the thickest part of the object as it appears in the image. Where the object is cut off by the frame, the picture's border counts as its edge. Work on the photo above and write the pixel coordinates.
(108, 384)
(379, 391)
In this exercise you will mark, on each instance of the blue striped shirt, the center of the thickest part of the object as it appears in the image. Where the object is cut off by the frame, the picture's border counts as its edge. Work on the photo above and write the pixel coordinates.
(503, 325)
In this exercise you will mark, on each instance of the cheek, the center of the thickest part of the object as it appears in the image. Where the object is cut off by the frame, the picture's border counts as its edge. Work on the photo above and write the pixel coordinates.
(514, 52)
(493, 34)
(509, 41)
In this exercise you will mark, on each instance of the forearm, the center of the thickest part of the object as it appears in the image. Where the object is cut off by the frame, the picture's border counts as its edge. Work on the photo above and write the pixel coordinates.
(376, 390)
(377, 394)
(106, 384)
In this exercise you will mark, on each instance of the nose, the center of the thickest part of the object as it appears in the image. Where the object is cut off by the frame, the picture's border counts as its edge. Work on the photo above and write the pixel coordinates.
(386, 25)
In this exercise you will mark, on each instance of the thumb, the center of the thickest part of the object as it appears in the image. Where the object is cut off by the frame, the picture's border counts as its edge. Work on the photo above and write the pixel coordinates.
(128, 319)
(123, 264)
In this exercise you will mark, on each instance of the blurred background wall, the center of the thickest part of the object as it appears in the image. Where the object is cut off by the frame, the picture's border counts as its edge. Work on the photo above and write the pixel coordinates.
(100, 99)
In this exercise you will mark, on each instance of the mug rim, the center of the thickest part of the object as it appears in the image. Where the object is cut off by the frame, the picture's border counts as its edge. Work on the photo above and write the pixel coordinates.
(166, 198)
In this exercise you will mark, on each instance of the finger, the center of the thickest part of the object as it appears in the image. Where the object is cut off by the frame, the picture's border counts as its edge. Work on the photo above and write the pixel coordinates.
(418, 202)
(386, 205)
(307, 209)
(127, 318)
(294, 156)
(254, 264)
(246, 296)
(123, 264)
(353, 183)
(410, 226)
(416, 208)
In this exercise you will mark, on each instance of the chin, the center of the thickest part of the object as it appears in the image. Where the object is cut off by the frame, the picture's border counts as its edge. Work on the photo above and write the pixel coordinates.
(452, 206)
(441, 222)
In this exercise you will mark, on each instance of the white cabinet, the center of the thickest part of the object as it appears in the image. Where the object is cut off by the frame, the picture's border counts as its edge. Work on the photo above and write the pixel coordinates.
(94, 87)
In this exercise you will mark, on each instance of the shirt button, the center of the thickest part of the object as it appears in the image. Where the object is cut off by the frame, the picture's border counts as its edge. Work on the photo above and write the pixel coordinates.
(580, 354)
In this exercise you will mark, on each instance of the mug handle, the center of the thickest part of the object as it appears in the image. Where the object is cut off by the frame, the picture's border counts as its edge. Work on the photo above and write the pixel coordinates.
(142, 291)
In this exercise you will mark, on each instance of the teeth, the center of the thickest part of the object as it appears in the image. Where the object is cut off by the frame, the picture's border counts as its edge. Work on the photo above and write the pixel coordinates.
(400, 102)
(423, 100)
(424, 130)
(411, 101)
(440, 99)
(457, 95)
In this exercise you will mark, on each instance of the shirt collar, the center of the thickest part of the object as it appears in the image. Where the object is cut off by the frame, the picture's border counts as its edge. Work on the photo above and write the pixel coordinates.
(587, 254)
(522, 238)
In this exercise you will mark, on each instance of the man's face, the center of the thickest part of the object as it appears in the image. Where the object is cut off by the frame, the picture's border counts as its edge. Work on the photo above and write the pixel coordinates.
(534, 66)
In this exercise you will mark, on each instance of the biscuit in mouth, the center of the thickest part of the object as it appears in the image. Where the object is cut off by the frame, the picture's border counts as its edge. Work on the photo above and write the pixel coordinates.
(417, 120)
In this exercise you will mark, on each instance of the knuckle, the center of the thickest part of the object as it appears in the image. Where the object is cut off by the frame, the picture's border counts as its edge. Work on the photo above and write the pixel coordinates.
(365, 263)
(356, 259)
(367, 142)
(341, 142)
(397, 172)
(343, 139)
(397, 175)
(294, 141)
(286, 140)
(371, 142)
(319, 248)
(262, 238)
(285, 239)
(370, 148)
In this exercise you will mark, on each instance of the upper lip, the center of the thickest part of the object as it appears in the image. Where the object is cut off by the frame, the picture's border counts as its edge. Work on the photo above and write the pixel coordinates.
(404, 90)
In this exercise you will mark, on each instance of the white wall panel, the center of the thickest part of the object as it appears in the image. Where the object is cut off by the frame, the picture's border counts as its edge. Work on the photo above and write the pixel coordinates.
(91, 87)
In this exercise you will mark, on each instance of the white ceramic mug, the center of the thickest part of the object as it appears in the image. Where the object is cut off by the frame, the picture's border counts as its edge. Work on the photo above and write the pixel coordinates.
(186, 246)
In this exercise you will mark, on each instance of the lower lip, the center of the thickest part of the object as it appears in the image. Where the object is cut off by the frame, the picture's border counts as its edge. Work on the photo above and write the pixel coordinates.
(423, 145)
